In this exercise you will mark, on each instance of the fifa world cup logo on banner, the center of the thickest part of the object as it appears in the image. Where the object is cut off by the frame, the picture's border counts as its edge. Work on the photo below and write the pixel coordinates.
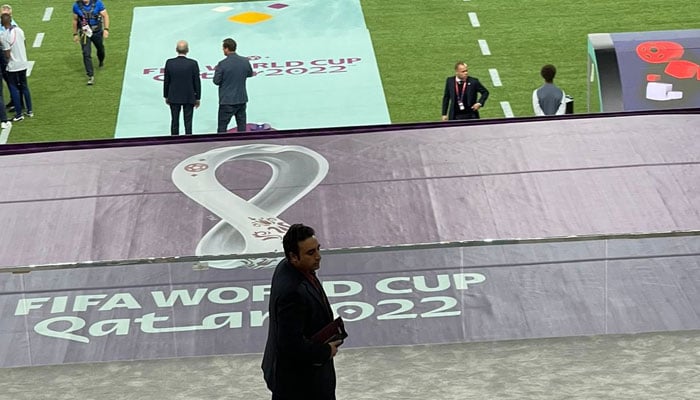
(249, 226)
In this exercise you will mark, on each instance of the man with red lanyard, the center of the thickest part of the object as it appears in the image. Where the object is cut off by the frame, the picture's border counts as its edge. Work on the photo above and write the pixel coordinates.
(460, 98)
(90, 25)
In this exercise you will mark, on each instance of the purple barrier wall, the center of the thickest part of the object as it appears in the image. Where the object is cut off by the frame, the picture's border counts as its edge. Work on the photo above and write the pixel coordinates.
(537, 179)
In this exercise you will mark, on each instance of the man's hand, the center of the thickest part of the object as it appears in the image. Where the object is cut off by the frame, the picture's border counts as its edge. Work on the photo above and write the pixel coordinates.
(444, 117)
(196, 104)
(334, 347)
(476, 106)
(105, 33)
(76, 38)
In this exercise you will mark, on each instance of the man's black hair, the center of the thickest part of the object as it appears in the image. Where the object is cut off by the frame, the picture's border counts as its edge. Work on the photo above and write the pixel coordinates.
(548, 72)
(296, 233)
(230, 44)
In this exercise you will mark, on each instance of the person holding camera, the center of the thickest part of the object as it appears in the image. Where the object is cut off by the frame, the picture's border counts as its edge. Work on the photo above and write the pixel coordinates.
(90, 26)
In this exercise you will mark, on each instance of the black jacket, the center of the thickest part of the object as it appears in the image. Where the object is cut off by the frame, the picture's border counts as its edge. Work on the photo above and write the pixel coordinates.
(449, 98)
(181, 83)
(294, 366)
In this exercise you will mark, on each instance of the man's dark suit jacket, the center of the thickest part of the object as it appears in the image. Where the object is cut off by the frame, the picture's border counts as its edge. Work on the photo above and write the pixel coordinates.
(230, 76)
(450, 97)
(294, 366)
(182, 84)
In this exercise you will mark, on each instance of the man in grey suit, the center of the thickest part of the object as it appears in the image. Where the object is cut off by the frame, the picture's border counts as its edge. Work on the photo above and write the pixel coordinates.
(182, 88)
(230, 76)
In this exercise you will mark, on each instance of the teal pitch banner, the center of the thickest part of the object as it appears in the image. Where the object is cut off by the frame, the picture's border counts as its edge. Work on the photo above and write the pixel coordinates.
(313, 60)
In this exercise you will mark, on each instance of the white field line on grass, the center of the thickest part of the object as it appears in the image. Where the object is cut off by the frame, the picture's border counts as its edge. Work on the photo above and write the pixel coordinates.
(38, 39)
(494, 77)
(47, 14)
(5, 134)
(474, 19)
(484, 47)
(507, 111)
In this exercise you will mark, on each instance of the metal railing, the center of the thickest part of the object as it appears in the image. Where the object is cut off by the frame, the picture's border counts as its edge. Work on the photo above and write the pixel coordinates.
(201, 262)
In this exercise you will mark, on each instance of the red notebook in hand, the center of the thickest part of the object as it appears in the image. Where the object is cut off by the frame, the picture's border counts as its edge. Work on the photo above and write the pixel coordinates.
(331, 332)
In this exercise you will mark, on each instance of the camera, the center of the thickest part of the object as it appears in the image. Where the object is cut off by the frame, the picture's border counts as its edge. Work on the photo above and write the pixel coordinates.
(87, 30)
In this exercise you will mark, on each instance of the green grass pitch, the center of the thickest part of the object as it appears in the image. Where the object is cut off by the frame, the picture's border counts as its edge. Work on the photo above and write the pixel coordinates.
(416, 43)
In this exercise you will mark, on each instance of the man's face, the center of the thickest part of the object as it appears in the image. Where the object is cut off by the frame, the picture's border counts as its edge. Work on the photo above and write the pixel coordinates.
(309, 258)
(461, 72)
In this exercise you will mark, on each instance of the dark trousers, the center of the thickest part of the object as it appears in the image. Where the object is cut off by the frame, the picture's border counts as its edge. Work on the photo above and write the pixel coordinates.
(471, 115)
(226, 111)
(6, 77)
(86, 43)
(19, 90)
(3, 113)
(188, 111)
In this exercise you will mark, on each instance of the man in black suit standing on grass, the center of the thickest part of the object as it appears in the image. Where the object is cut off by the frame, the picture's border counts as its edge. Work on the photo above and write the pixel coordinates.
(460, 98)
(182, 88)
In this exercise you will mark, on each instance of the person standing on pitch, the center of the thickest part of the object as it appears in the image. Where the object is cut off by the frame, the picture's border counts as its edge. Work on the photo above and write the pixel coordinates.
(13, 44)
(90, 26)
(182, 88)
(295, 366)
(6, 9)
(548, 99)
(459, 100)
(230, 76)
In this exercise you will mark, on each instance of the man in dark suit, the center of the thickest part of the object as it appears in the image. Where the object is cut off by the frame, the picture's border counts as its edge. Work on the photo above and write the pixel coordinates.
(460, 95)
(230, 76)
(296, 367)
(182, 88)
